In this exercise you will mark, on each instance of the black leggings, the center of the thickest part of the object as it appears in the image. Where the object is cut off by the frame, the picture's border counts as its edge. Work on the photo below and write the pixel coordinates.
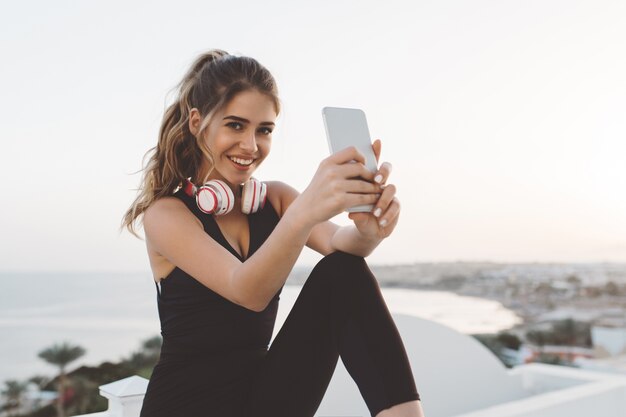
(340, 311)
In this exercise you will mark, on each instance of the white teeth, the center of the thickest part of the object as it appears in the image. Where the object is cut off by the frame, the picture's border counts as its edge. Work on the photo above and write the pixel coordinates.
(241, 161)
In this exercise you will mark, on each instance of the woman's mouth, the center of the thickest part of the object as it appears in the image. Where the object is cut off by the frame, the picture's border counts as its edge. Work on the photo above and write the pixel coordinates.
(241, 164)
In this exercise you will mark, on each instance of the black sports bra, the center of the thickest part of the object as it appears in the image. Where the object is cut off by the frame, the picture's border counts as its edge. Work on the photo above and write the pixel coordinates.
(197, 320)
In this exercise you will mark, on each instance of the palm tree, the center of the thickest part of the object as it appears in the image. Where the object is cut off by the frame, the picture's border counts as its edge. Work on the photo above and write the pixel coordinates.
(84, 390)
(61, 355)
(13, 392)
(152, 346)
(39, 380)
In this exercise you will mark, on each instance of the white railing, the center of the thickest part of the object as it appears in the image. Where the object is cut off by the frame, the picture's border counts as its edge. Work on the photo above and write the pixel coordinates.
(125, 397)
(561, 391)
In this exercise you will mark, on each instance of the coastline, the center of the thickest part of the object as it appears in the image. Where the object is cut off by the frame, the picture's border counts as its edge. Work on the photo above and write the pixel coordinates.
(109, 314)
(111, 335)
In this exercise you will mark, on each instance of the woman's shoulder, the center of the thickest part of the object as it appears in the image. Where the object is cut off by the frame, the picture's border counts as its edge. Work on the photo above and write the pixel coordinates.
(280, 195)
(165, 204)
(166, 210)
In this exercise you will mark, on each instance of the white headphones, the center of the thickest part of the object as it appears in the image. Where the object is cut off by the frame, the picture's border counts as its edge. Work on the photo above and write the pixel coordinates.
(216, 197)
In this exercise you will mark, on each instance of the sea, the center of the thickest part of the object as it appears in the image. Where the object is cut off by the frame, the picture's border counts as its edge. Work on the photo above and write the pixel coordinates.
(111, 314)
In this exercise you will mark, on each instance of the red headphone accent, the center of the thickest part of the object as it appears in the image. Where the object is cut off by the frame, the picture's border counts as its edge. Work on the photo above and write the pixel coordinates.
(216, 197)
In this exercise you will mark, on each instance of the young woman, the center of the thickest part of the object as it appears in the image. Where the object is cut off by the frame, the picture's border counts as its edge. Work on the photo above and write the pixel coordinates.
(220, 258)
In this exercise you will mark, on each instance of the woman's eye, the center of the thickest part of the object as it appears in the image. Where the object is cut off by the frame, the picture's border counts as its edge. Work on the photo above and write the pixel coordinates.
(235, 125)
(265, 130)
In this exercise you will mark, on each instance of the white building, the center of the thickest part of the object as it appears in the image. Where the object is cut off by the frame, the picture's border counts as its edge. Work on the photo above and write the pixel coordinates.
(456, 376)
(609, 345)
(609, 340)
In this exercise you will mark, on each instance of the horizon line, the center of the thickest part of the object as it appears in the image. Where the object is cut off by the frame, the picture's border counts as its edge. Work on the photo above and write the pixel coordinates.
(372, 264)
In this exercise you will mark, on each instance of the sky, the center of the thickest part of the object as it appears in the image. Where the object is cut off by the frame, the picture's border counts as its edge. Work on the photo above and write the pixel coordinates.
(503, 120)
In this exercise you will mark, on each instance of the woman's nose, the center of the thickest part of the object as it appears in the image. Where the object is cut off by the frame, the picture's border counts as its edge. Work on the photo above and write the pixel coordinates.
(248, 143)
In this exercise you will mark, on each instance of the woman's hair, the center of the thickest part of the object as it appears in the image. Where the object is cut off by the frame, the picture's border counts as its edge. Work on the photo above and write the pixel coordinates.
(214, 79)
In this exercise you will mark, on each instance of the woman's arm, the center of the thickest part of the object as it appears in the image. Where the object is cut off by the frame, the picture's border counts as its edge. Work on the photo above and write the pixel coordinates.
(327, 237)
(349, 239)
(175, 233)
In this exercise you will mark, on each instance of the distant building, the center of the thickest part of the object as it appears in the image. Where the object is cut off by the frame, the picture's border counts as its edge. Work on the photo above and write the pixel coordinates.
(564, 353)
(609, 345)
(609, 337)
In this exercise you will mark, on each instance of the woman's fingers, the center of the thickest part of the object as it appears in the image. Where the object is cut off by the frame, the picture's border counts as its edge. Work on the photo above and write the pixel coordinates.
(347, 178)
(376, 148)
(357, 199)
(383, 173)
(390, 216)
(359, 186)
(348, 154)
(354, 170)
(384, 170)
(381, 210)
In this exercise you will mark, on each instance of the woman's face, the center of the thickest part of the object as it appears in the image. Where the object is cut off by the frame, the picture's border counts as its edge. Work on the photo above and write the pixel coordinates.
(240, 136)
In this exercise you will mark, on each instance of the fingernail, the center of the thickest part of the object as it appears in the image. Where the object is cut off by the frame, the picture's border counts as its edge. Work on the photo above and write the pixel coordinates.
(378, 178)
(377, 212)
(383, 222)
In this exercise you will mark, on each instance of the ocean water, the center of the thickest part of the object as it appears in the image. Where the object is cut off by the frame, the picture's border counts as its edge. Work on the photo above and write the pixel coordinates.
(107, 314)
(110, 314)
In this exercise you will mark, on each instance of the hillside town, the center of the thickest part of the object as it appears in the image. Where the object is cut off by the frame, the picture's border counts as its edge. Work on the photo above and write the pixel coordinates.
(573, 314)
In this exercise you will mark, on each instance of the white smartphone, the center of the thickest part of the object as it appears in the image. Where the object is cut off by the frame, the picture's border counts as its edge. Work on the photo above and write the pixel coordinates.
(348, 127)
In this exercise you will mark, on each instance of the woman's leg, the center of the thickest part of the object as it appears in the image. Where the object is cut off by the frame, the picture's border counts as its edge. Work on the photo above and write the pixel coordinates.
(340, 311)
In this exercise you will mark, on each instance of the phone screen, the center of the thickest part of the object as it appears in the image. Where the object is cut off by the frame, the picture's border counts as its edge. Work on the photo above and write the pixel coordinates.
(348, 127)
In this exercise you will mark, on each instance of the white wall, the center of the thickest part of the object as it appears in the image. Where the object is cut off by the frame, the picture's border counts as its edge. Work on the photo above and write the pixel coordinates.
(613, 339)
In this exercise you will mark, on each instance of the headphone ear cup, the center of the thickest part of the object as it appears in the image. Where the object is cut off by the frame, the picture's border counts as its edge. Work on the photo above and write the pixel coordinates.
(253, 196)
(248, 194)
(215, 197)
(206, 199)
(262, 195)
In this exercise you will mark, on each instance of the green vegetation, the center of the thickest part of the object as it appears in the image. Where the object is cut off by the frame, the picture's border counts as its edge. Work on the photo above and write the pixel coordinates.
(78, 390)
(13, 391)
(497, 342)
(61, 355)
(566, 332)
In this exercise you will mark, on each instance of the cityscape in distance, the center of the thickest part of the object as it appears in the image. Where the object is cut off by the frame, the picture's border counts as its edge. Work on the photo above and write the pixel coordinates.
(572, 313)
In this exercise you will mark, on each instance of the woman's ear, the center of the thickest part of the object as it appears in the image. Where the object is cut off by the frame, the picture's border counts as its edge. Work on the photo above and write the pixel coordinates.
(194, 121)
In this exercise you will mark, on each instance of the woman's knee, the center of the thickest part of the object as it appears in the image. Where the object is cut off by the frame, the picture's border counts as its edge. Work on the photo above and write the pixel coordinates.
(341, 267)
(340, 256)
(340, 261)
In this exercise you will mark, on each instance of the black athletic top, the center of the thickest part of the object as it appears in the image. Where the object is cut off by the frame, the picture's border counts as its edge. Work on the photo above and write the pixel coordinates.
(210, 344)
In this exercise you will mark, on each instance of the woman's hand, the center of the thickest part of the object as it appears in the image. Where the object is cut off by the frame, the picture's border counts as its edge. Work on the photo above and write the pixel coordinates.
(382, 221)
(336, 186)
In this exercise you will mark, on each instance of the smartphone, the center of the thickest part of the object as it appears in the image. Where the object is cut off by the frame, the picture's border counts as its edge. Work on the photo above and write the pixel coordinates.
(348, 127)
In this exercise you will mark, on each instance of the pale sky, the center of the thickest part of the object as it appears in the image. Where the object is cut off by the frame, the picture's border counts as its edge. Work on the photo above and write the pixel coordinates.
(504, 120)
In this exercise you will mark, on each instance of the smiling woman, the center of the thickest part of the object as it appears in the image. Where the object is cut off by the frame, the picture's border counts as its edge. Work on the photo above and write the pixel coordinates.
(221, 245)
(239, 136)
